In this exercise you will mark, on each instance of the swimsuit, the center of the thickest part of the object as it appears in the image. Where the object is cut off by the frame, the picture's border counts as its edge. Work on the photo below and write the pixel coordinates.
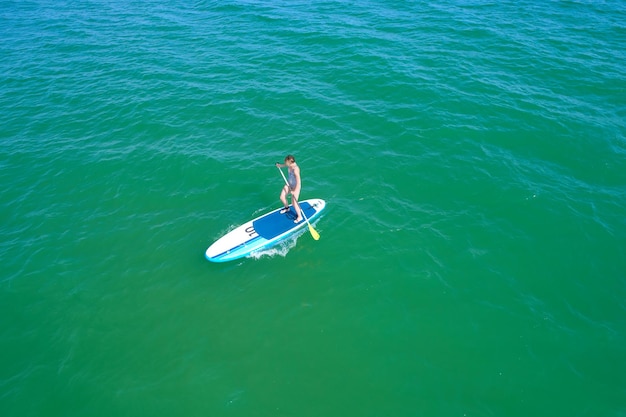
(292, 180)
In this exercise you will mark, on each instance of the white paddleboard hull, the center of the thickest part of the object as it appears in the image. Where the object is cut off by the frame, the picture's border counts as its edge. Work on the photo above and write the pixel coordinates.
(262, 232)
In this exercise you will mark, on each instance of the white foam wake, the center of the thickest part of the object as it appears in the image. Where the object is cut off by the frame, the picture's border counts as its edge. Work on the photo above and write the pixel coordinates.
(282, 248)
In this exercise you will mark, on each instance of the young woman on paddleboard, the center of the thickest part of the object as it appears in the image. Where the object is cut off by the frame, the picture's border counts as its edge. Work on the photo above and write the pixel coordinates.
(292, 188)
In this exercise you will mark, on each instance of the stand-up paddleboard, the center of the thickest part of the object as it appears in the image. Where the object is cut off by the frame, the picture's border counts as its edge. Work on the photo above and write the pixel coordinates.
(262, 232)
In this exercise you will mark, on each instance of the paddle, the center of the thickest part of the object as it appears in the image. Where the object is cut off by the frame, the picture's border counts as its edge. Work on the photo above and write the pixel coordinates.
(314, 233)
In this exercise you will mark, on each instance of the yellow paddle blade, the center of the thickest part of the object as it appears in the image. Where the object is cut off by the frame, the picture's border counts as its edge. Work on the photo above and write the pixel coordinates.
(314, 233)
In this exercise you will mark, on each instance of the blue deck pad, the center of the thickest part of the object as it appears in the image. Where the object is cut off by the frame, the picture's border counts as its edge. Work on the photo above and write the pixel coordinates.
(275, 224)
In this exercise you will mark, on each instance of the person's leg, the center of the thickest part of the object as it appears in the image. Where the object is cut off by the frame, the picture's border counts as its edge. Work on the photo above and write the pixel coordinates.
(296, 207)
(283, 198)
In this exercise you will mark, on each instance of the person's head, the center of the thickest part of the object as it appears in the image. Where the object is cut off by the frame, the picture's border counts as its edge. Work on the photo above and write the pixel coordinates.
(289, 159)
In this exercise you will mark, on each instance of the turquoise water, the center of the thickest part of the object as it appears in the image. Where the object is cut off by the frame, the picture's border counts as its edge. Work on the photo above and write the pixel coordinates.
(472, 259)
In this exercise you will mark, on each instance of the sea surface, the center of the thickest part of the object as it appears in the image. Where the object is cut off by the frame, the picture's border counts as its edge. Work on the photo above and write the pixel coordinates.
(472, 259)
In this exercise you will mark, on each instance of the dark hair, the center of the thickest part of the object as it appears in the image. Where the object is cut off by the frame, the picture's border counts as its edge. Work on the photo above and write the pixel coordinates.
(290, 158)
